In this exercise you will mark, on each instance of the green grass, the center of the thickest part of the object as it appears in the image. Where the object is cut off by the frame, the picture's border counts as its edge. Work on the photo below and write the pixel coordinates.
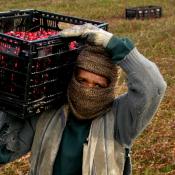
(154, 151)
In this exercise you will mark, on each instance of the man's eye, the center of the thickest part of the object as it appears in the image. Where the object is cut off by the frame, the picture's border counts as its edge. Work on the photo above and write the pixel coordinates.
(81, 81)
(99, 86)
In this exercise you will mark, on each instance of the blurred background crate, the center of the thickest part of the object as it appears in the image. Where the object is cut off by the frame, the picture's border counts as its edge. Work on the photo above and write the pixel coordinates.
(34, 73)
(143, 12)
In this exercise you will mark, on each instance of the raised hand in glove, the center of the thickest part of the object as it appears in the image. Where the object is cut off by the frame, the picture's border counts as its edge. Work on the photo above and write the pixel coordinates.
(91, 33)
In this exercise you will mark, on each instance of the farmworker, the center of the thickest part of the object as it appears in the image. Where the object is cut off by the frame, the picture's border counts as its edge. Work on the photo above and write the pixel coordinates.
(93, 132)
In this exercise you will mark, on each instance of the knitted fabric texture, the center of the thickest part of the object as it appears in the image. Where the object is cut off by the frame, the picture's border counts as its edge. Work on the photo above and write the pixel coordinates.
(85, 102)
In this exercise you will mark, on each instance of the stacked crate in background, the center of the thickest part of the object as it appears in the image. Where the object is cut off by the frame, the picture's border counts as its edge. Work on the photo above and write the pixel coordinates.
(143, 12)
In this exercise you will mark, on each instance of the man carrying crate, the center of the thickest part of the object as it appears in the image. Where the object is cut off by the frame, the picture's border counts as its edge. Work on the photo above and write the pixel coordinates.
(93, 132)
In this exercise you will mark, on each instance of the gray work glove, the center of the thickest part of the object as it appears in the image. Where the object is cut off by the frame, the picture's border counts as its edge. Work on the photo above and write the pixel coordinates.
(91, 33)
(16, 135)
(9, 130)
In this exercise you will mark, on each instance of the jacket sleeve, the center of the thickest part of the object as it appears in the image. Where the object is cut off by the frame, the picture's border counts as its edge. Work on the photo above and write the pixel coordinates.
(146, 88)
(16, 137)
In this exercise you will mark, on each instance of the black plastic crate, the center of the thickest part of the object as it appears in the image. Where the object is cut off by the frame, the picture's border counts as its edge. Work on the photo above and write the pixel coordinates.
(34, 74)
(143, 12)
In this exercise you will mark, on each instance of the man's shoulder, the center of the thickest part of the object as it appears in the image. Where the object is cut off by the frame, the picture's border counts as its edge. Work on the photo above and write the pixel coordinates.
(48, 114)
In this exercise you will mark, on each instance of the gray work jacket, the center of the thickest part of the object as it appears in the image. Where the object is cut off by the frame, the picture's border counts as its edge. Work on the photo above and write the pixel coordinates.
(104, 154)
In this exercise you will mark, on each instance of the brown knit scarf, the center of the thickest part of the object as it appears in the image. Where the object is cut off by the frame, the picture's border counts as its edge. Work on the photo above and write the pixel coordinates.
(85, 102)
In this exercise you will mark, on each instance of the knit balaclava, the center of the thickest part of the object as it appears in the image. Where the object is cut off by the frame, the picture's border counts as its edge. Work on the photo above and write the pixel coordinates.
(85, 102)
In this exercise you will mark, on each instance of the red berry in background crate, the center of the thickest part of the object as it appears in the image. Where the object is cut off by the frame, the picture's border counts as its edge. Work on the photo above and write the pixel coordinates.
(3, 61)
(72, 45)
(12, 78)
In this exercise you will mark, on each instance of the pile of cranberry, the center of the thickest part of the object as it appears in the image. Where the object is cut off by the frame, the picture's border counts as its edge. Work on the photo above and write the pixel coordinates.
(37, 35)
(31, 36)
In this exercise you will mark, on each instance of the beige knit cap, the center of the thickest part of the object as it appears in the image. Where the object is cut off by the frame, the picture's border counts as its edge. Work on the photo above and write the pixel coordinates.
(95, 59)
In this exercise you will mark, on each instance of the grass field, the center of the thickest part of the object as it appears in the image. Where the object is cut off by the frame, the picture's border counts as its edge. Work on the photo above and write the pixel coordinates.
(154, 151)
